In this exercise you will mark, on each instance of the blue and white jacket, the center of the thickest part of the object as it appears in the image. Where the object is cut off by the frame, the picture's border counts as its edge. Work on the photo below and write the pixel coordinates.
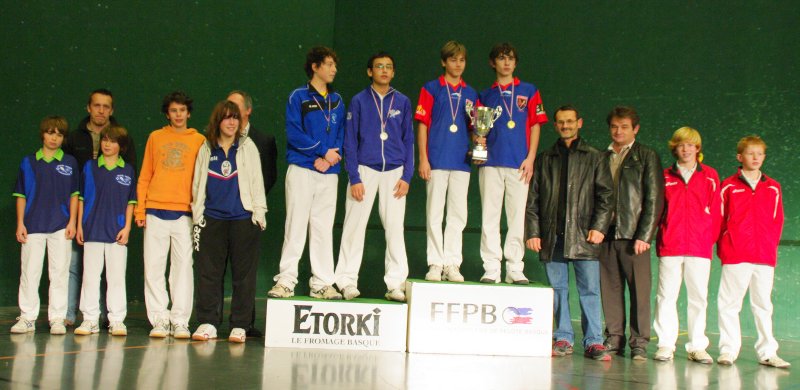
(313, 126)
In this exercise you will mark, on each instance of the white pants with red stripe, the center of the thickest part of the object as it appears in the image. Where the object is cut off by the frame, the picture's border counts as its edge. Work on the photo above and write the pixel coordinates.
(694, 271)
(446, 188)
(162, 237)
(498, 186)
(59, 250)
(114, 257)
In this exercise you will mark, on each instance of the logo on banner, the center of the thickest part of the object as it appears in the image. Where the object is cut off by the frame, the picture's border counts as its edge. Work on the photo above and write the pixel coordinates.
(308, 321)
(518, 315)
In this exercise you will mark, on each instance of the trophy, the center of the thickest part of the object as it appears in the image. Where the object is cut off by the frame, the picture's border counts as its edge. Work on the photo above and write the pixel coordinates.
(482, 120)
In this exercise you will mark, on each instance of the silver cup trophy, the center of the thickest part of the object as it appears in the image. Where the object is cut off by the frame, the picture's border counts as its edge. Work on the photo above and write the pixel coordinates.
(482, 119)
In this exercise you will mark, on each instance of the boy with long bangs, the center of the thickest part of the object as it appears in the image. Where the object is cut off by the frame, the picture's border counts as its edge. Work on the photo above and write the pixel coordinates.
(314, 134)
(164, 193)
(105, 213)
(379, 158)
(752, 223)
(505, 175)
(47, 202)
(443, 140)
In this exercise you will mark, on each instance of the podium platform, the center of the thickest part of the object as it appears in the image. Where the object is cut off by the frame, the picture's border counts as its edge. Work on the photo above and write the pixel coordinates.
(360, 324)
(479, 319)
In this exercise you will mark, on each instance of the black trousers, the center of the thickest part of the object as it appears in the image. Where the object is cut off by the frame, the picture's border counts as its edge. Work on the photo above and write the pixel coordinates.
(216, 242)
(621, 266)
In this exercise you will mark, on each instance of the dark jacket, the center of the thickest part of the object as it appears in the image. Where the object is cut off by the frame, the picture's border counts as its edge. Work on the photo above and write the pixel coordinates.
(268, 150)
(589, 201)
(640, 194)
(79, 145)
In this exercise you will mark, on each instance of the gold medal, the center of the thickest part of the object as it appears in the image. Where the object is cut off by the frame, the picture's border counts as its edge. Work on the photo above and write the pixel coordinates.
(384, 135)
(511, 124)
(453, 128)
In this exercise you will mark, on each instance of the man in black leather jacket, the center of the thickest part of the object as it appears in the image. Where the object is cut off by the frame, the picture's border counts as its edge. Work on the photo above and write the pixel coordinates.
(625, 256)
(568, 212)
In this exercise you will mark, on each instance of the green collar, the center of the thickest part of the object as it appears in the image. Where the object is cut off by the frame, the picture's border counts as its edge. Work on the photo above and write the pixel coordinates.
(58, 156)
(101, 162)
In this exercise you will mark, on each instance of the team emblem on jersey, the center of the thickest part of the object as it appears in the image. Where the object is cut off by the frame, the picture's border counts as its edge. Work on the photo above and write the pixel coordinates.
(540, 109)
(65, 170)
(333, 118)
(522, 102)
(420, 110)
(123, 179)
(455, 95)
(226, 168)
(393, 113)
(349, 115)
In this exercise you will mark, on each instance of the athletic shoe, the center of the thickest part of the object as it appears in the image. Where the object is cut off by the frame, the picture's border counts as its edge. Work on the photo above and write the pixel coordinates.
(775, 361)
(350, 292)
(516, 277)
(638, 354)
(664, 354)
(280, 291)
(117, 329)
(726, 359)
(87, 327)
(237, 335)
(160, 329)
(327, 292)
(597, 352)
(434, 273)
(562, 348)
(701, 356)
(180, 331)
(23, 326)
(613, 348)
(452, 273)
(205, 332)
(491, 277)
(396, 295)
(57, 327)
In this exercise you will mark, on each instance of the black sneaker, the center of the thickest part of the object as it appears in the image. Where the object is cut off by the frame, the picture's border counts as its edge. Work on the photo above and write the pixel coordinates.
(638, 353)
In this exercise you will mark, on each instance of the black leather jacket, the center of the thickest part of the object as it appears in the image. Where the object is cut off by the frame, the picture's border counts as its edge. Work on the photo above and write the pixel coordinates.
(640, 194)
(79, 145)
(589, 201)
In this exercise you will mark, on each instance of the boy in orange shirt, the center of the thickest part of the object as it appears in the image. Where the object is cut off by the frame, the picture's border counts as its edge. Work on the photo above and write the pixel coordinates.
(164, 191)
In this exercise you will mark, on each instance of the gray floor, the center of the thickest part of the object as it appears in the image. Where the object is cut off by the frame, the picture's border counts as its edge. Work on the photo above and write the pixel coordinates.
(62, 362)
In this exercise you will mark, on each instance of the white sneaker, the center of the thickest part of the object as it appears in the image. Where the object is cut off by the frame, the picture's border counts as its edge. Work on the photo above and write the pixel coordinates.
(701, 356)
(237, 335)
(726, 359)
(23, 326)
(181, 331)
(205, 332)
(327, 292)
(160, 329)
(775, 361)
(87, 327)
(57, 327)
(117, 329)
(452, 273)
(280, 291)
(434, 273)
(350, 292)
(663, 354)
(396, 295)
(516, 277)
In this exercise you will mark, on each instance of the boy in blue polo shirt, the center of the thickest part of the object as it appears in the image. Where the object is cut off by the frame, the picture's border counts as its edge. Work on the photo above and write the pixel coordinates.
(105, 212)
(379, 158)
(504, 177)
(443, 138)
(47, 199)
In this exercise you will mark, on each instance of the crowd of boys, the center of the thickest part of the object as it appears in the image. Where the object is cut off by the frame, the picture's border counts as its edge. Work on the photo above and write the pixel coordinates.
(573, 204)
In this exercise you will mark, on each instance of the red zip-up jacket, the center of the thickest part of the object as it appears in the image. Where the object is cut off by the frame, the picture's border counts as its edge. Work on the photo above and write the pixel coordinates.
(690, 222)
(752, 221)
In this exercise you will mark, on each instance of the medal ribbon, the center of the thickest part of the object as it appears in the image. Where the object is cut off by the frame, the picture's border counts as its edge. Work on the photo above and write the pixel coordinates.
(450, 99)
(380, 113)
(508, 110)
(327, 117)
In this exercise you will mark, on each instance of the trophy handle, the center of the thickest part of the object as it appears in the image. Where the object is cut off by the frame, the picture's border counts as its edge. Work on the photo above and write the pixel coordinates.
(497, 112)
(470, 112)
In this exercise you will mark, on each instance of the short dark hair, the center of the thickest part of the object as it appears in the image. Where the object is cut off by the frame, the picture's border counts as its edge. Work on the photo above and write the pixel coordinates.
(101, 91)
(381, 54)
(223, 110)
(317, 55)
(503, 48)
(567, 107)
(179, 97)
(248, 100)
(623, 112)
(118, 134)
(53, 122)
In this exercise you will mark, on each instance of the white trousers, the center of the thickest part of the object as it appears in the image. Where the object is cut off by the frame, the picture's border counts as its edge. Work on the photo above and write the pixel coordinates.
(115, 259)
(162, 237)
(310, 208)
(59, 250)
(736, 280)
(392, 212)
(450, 188)
(500, 185)
(694, 271)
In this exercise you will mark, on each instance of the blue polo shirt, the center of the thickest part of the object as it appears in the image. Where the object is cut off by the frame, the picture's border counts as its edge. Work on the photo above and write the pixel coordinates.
(106, 192)
(223, 199)
(47, 186)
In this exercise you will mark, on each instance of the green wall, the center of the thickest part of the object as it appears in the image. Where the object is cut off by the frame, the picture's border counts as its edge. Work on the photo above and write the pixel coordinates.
(725, 68)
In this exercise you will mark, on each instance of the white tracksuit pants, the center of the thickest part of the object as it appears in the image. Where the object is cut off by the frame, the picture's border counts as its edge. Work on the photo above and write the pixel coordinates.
(446, 188)
(114, 257)
(59, 250)
(498, 186)
(694, 271)
(160, 238)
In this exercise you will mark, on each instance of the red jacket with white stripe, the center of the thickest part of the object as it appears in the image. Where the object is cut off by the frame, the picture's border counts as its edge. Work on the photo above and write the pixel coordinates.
(690, 222)
(752, 221)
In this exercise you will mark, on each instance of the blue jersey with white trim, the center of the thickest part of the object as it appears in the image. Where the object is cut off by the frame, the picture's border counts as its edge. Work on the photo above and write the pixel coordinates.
(106, 193)
(314, 124)
(47, 187)
(223, 198)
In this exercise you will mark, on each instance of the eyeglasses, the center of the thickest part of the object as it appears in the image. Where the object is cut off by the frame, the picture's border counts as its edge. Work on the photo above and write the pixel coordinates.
(383, 66)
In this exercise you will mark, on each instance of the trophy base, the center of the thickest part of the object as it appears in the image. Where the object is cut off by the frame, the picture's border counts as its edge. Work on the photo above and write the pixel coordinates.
(480, 155)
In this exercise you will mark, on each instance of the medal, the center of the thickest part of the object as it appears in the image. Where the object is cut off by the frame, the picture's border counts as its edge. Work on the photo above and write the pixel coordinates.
(453, 112)
(384, 135)
(453, 128)
(511, 124)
